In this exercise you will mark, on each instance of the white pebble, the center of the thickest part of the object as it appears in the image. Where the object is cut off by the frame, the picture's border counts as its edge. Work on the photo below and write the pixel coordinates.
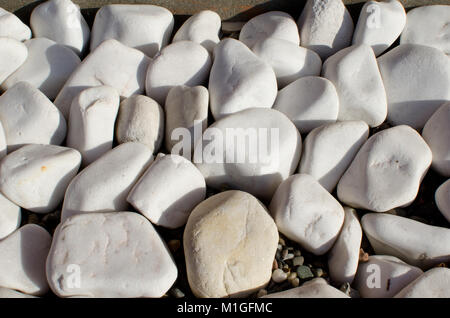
(12, 27)
(432, 284)
(10, 217)
(278, 276)
(316, 288)
(12, 55)
(442, 198)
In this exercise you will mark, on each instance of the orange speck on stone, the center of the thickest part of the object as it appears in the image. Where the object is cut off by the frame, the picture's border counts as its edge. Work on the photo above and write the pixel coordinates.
(43, 168)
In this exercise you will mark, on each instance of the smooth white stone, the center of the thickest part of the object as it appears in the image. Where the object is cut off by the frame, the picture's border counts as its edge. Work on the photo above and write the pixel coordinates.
(230, 242)
(12, 55)
(417, 82)
(343, 257)
(383, 276)
(3, 143)
(91, 122)
(12, 27)
(355, 74)
(306, 213)
(432, 284)
(387, 171)
(239, 165)
(329, 149)
(325, 27)
(239, 80)
(309, 102)
(35, 177)
(442, 198)
(436, 133)
(143, 27)
(112, 64)
(10, 293)
(288, 60)
(272, 24)
(170, 209)
(103, 186)
(22, 265)
(10, 217)
(140, 119)
(202, 28)
(62, 22)
(180, 63)
(416, 243)
(117, 254)
(428, 25)
(316, 288)
(28, 117)
(380, 23)
(47, 67)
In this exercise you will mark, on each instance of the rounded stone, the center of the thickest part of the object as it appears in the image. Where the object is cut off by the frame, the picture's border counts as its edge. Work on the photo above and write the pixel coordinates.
(316, 288)
(10, 217)
(12, 27)
(442, 198)
(432, 284)
(12, 55)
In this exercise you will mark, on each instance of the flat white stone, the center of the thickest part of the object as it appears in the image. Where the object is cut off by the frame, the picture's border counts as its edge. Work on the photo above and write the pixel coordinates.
(230, 242)
(436, 133)
(432, 284)
(307, 213)
(10, 217)
(387, 171)
(202, 28)
(383, 276)
(170, 209)
(428, 25)
(140, 119)
(272, 24)
(22, 265)
(325, 27)
(28, 116)
(239, 80)
(102, 67)
(10, 293)
(62, 22)
(12, 27)
(309, 102)
(329, 149)
(144, 27)
(35, 177)
(416, 243)
(91, 122)
(288, 60)
(238, 165)
(316, 288)
(354, 72)
(442, 198)
(180, 63)
(47, 67)
(380, 23)
(103, 186)
(12, 55)
(116, 254)
(427, 70)
(343, 257)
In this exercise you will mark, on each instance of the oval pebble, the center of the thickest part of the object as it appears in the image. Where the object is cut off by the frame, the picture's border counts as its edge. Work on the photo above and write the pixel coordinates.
(442, 198)
(12, 27)
(12, 55)
(432, 284)
(316, 288)
(10, 217)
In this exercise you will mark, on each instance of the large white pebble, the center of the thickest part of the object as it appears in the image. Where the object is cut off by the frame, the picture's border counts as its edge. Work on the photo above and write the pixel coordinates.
(307, 213)
(239, 80)
(354, 72)
(11, 293)
(10, 217)
(22, 265)
(442, 198)
(117, 254)
(380, 24)
(104, 185)
(47, 67)
(288, 60)
(329, 149)
(28, 116)
(12, 55)
(112, 64)
(170, 209)
(325, 27)
(12, 27)
(436, 133)
(416, 243)
(417, 81)
(143, 27)
(272, 24)
(180, 63)
(387, 171)
(316, 288)
(91, 122)
(432, 284)
(229, 242)
(62, 22)
(383, 276)
(309, 102)
(202, 28)
(35, 177)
